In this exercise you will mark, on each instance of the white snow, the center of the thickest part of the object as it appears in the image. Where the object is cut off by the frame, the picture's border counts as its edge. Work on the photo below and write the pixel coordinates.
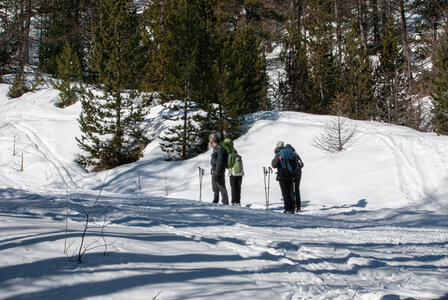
(374, 224)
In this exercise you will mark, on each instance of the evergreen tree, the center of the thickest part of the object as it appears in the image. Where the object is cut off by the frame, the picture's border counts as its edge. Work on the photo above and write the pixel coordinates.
(392, 101)
(294, 60)
(431, 14)
(357, 86)
(245, 79)
(324, 73)
(188, 56)
(111, 122)
(179, 47)
(153, 38)
(19, 86)
(440, 84)
(66, 21)
(69, 70)
(58, 30)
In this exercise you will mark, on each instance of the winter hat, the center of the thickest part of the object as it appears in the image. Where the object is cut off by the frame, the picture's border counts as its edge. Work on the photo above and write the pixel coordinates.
(280, 144)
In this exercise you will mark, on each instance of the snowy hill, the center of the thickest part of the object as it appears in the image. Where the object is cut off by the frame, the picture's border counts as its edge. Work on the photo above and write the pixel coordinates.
(374, 224)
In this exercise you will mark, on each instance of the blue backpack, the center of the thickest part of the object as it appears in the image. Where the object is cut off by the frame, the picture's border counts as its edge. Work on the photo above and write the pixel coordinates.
(289, 161)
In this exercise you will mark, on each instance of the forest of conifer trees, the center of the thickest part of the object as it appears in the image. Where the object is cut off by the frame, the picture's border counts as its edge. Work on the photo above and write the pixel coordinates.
(206, 61)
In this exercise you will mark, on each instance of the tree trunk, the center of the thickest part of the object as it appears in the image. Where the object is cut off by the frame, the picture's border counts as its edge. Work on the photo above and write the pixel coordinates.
(361, 23)
(375, 17)
(338, 31)
(404, 36)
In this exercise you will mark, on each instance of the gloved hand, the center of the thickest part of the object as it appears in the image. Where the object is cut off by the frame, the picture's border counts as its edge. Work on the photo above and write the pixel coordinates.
(215, 176)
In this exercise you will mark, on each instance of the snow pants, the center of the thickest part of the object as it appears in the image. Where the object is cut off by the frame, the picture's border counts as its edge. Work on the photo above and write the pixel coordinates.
(296, 183)
(235, 185)
(219, 186)
(286, 186)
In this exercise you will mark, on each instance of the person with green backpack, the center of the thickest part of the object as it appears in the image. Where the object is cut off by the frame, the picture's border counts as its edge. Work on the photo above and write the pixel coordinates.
(236, 171)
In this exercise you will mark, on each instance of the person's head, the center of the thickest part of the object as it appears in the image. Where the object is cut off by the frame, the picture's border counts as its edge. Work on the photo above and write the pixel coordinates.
(280, 144)
(213, 139)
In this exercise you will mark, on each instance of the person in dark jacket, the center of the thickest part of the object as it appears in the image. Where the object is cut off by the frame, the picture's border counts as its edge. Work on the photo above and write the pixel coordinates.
(285, 181)
(296, 181)
(218, 164)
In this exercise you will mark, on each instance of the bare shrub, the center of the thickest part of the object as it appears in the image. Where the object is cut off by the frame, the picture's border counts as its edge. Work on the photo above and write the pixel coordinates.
(338, 132)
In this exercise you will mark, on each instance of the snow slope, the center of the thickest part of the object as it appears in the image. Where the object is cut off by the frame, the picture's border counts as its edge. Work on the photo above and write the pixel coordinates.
(374, 224)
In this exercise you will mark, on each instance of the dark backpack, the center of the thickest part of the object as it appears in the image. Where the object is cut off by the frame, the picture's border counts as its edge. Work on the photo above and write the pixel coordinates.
(289, 161)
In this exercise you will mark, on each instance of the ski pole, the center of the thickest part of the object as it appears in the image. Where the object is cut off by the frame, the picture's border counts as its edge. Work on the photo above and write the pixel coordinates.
(269, 170)
(201, 175)
(265, 188)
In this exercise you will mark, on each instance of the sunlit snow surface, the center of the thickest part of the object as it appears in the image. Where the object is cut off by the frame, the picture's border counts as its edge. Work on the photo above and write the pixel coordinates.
(374, 223)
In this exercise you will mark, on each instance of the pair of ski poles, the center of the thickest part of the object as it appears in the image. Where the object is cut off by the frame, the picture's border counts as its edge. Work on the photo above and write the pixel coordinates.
(267, 171)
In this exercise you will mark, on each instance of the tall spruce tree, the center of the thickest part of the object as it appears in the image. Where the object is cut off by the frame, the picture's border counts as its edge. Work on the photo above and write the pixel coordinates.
(357, 86)
(293, 57)
(440, 84)
(245, 78)
(111, 121)
(392, 100)
(58, 29)
(179, 53)
(153, 22)
(324, 73)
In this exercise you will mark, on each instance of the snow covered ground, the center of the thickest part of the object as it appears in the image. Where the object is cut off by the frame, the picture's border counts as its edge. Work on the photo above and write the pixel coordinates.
(374, 224)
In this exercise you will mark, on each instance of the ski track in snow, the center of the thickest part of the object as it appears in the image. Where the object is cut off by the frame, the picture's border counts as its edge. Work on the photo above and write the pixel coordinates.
(415, 184)
(63, 171)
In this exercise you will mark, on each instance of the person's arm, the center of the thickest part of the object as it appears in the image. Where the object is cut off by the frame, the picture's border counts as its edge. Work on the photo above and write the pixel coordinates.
(275, 161)
(300, 161)
(220, 160)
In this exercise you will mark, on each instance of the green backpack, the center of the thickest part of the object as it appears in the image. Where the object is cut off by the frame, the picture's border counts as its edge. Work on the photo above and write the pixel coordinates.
(237, 169)
(227, 144)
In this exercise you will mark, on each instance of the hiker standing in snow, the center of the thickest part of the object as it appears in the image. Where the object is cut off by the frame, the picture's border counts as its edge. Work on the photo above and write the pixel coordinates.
(296, 179)
(218, 164)
(284, 179)
(236, 173)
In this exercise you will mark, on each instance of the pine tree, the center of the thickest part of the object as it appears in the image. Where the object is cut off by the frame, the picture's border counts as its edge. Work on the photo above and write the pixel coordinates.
(357, 86)
(392, 101)
(153, 37)
(188, 56)
(69, 70)
(431, 14)
(324, 73)
(58, 30)
(66, 21)
(440, 84)
(245, 79)
(293, 57)
(179, 48)
(111, 121)
(19, 86)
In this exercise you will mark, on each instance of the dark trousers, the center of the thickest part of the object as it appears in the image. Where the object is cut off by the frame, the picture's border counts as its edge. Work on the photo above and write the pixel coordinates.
(219, 186)
(286, 187)
(297, 190)
(235, 185)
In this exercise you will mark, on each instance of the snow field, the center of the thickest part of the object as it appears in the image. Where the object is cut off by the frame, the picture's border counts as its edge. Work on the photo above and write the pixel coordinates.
(374, 224)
